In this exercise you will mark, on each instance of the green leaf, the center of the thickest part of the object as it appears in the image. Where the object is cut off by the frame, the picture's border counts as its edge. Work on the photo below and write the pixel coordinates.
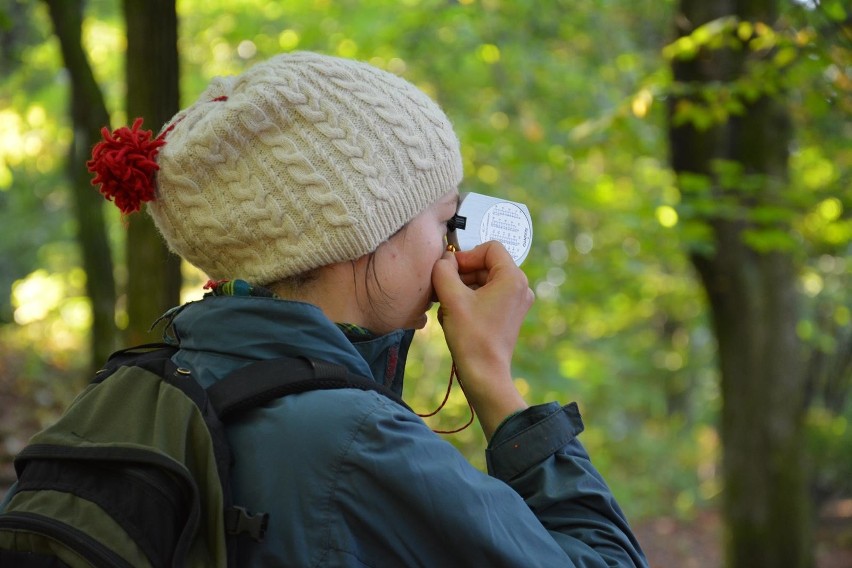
(769, 240)
(834, 9)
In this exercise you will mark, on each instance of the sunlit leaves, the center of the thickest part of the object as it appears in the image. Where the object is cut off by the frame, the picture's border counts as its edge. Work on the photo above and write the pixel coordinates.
(488, 53)
(666, 215)
(641, 103)
(813, 171)
(288, 40)
(826, 223)
(103, 39)
(712, 35)
(835, 9)
(768, 53)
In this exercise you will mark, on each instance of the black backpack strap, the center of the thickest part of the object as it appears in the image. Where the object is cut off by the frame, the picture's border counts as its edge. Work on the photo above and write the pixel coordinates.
(262, 381)
(150, 356)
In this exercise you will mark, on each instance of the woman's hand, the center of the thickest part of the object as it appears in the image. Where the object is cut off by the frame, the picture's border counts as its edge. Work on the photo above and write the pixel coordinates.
(484, 298)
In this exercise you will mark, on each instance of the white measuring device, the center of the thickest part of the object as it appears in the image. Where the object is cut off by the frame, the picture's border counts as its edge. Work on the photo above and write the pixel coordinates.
(481, 218)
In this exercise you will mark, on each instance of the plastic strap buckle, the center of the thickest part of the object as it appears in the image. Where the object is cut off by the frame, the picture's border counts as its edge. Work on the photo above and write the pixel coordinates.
(238, 521)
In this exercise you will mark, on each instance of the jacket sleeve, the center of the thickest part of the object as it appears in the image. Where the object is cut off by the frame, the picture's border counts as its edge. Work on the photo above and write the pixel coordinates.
(538, 455)
(542, 504)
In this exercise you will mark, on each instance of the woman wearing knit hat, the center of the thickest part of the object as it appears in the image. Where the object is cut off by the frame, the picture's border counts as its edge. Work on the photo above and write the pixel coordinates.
(315, 193)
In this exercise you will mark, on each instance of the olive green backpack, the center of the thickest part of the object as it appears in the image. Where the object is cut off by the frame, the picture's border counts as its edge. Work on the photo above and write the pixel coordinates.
(135, 473)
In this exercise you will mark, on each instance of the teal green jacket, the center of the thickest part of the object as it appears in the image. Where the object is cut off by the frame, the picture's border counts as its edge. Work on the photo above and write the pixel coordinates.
(350, 478)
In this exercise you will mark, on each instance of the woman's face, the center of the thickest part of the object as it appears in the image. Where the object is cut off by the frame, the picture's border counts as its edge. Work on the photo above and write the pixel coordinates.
(399, 281)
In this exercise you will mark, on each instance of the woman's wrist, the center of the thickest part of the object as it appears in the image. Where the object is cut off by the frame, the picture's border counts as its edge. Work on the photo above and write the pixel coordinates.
(492, 416)
(494, 397)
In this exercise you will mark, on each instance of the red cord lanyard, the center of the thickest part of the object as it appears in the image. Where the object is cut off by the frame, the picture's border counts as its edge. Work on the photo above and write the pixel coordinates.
(453, 375)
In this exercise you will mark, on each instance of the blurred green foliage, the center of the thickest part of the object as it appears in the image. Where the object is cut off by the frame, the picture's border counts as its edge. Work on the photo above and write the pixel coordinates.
(559, 104)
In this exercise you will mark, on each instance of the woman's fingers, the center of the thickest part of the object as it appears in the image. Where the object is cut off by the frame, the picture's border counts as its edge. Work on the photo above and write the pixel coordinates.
(484, 298)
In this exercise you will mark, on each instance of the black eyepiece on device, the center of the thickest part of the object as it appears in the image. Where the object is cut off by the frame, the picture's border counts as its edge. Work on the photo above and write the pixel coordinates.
(457, 222)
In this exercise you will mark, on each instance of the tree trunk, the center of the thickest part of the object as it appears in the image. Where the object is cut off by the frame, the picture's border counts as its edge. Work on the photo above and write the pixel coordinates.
(154, 277)
(754, 306)
(88, 115)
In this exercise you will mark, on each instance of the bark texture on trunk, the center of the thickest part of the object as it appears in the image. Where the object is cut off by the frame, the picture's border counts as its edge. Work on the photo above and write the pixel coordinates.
(154, 277)
(88, 115)
(754, 304)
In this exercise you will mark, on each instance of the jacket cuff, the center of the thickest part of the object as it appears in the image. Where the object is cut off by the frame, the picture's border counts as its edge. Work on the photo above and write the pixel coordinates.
(530, 437)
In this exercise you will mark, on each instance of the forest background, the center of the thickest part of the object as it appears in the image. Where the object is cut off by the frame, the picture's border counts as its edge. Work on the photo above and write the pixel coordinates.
(577, 109)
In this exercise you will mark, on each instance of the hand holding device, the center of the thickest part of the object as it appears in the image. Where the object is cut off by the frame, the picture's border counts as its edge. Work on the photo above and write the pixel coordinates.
(484, 297)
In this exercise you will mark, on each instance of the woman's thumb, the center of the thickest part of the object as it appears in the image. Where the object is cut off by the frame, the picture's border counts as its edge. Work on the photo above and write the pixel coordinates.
(445, 276)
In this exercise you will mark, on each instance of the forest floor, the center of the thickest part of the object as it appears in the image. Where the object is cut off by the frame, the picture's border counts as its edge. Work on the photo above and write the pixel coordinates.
(668, 542)
(697, 543)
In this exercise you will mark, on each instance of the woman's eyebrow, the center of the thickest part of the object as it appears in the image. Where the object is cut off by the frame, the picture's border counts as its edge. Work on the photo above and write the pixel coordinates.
(454, 201)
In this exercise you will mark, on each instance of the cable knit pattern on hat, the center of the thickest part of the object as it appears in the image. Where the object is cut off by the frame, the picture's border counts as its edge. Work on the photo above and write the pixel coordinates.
(310, 160)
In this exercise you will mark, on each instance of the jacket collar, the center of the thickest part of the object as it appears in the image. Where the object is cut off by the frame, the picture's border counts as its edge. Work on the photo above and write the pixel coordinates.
(254, 328)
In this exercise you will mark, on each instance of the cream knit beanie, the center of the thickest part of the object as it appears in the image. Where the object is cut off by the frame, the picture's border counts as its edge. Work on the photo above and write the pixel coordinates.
(302, 161)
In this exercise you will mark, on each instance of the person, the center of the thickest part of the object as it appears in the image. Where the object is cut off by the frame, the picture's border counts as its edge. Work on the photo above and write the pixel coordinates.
(315, 192)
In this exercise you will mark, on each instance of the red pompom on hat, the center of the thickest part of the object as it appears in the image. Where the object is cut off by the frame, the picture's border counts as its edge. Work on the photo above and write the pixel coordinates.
(124, 166)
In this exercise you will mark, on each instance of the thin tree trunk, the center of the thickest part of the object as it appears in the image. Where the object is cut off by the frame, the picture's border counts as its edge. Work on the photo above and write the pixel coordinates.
(88, 115)
(755, 310)
(154, 277)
